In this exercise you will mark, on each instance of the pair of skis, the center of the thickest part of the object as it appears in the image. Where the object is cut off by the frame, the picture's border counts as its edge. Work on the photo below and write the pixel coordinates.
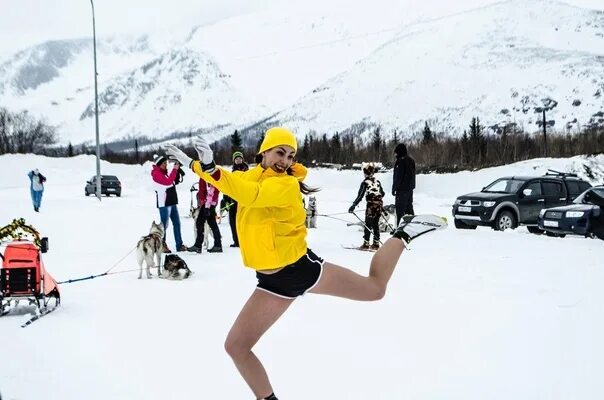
(42, 313)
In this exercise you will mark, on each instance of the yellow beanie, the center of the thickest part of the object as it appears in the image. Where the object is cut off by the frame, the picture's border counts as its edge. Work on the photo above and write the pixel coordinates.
(278, 136)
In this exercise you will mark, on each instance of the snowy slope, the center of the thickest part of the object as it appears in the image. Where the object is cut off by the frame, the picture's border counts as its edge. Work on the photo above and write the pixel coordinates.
(469, 315)
(499, 63)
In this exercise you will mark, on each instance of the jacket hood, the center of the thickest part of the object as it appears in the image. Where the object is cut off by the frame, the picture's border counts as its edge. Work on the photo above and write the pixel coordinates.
(400, 150)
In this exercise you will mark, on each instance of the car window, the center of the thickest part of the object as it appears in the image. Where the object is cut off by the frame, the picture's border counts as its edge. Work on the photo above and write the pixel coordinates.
(504, 186)
(534, 187)
(580, 199)
(552, 188)
(109, 178)
(576, 187)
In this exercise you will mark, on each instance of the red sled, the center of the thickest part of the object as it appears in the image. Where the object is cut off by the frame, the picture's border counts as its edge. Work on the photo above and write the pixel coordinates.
(24, 278)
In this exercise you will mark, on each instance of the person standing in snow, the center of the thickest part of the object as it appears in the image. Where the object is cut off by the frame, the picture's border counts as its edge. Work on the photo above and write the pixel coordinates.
(403, 182)
(372, 189)
(166, 197)
(272, 238)
(36, 188)
(207, 198)
(239, 164)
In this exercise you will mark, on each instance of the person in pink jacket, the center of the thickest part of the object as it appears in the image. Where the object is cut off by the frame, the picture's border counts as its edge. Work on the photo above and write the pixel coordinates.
(166, 197)
(207, 198)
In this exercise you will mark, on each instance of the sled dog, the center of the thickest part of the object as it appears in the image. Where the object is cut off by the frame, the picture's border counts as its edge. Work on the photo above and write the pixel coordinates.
(311, 212)
(173, 264)
(148, 249)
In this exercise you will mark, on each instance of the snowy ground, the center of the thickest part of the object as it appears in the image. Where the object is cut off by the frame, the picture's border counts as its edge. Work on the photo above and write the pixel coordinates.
(469, 314)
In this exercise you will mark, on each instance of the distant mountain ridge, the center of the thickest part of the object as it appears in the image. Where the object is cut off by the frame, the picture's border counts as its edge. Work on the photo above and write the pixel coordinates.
(503, 63)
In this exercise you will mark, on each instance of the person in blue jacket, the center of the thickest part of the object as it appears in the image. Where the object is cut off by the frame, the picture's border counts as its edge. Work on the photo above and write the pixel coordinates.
(36, 187)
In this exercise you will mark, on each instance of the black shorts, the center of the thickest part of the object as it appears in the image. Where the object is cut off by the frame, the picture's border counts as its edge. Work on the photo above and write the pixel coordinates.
(295, 279)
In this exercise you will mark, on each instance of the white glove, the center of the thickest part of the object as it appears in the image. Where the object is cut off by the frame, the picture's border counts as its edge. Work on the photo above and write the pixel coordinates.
(206, 155)
(174, 152)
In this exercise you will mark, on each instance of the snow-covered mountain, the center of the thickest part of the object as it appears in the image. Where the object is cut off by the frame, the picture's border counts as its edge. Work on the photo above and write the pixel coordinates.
(396, 64)
(502, 63)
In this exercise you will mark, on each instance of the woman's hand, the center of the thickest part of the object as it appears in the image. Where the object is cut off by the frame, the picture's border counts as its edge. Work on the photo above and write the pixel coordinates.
(206, 155)
(178, 154)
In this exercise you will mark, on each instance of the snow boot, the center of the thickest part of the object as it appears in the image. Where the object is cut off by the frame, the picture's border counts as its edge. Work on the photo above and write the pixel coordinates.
(365, 245)
(413, 226)
(215, 249)
(194, 249)
(165, 249)
(375, 246)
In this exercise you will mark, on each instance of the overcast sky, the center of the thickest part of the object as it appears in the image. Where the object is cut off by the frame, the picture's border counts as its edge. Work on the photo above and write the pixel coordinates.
(28, 22)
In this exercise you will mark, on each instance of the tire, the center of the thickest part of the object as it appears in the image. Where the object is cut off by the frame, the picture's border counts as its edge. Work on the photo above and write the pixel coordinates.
(462, 225)
(119, 194)
(86, 193)
(505, 220)
(534, 229)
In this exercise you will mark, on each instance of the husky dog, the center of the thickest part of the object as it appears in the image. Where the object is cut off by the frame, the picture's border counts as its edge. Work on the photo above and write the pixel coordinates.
(149, 248)
(311, 212)
(173, 264)
(206, 228)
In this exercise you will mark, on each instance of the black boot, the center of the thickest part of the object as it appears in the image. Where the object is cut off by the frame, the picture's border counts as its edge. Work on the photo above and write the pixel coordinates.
(215, 249)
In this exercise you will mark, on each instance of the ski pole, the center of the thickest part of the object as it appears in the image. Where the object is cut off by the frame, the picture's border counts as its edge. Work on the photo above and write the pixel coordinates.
(365, 225)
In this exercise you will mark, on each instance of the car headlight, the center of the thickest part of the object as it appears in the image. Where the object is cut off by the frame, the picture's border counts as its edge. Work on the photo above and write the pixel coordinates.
(542, 213)
(488, 203)
(458, 201)
(574, 214)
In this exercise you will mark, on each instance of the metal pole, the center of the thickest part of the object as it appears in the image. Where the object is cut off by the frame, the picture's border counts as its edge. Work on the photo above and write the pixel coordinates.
(544, 134)
(96, 110)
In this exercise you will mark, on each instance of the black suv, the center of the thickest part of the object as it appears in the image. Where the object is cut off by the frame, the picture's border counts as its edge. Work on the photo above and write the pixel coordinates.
(578, 218)
(109, 185)
(511, 201)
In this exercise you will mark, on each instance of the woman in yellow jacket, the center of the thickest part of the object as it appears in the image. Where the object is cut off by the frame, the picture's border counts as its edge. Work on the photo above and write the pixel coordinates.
(272, 238)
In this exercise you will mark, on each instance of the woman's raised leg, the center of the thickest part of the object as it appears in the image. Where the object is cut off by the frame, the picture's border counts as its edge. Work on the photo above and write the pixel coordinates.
(260, 312)
(342, 282)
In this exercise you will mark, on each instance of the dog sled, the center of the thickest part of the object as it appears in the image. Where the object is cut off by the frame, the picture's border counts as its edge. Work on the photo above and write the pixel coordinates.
(23, 277)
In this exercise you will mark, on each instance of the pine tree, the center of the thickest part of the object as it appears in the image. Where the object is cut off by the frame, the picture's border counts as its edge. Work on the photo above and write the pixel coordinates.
(236, 142)
(376, 142)
(427, 135)
(136, 153)
(69, 150)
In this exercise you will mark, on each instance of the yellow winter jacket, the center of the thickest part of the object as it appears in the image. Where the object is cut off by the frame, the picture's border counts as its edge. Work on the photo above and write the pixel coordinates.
(270, 213)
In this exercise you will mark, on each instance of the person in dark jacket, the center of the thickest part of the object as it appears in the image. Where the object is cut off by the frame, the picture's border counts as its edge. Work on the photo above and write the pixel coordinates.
(166, 197)
(372, 189)
(403, 182)
(228, 203)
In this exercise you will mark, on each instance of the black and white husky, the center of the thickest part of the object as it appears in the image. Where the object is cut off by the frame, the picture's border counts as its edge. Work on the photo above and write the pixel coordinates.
(172, 266)
(311, 212)
(148, 249)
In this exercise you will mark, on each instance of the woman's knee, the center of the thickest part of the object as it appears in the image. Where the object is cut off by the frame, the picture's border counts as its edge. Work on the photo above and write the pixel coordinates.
(235, 347)
(377, 290)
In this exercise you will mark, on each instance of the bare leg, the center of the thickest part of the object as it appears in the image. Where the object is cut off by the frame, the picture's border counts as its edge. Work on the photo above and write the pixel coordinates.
(260, 312)
(342, 282)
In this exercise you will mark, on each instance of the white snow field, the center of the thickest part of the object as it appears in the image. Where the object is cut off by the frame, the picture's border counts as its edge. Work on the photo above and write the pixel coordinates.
(469, 315)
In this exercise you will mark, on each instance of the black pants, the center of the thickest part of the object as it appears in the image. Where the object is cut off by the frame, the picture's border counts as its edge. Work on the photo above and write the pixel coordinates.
(200, 224)
(403, 204)
(232, 223)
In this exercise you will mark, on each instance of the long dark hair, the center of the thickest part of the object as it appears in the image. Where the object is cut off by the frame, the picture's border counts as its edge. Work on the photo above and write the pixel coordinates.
(304, 188)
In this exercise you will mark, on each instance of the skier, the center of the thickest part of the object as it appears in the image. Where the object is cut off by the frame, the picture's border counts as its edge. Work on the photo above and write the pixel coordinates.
(36, 188)
(372, 189)
(272, 239)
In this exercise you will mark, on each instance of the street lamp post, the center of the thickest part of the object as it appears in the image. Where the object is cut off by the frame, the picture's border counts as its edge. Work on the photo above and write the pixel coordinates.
(96, 111)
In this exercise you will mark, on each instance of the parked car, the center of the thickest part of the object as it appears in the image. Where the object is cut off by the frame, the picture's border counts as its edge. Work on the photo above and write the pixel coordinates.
(110, 184)
(516, 200)
(577, 218)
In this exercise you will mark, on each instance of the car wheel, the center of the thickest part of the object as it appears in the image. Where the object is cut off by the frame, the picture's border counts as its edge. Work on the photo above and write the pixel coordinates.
(118, 194)
(534, 229)
(505, 220)
(86, 192)
(462, 225)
